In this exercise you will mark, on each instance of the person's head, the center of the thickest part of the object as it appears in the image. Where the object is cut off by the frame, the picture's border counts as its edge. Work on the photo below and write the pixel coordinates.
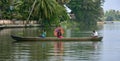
(59, 30)
(93, 30)
(43, 30)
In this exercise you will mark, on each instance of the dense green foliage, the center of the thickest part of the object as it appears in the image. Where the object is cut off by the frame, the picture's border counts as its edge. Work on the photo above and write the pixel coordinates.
(52, 11)
(63, 1)
(112, 15)
(87, 11)
(5, 9)
(44, 11)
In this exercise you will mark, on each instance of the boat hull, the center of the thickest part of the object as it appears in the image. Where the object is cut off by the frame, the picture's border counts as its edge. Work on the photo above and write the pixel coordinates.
(1, 27)
(17, 38)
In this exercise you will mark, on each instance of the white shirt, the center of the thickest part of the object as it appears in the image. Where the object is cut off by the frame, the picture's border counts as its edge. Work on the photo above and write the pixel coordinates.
(95, 34)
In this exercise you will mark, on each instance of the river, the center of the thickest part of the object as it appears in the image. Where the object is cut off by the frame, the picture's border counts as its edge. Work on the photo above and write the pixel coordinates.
(107, 50)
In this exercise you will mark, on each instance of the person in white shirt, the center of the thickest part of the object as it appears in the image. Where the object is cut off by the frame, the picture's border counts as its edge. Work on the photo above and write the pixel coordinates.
(95, 33)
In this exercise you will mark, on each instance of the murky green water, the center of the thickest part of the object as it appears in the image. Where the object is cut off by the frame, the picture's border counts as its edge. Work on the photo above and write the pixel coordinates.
(107, 50)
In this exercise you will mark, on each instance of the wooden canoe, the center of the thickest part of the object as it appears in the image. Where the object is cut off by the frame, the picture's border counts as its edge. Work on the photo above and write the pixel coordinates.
(18, 38)
(1, 27)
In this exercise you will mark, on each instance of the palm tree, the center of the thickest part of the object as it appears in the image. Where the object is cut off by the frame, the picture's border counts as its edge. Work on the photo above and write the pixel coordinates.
(63, 1)
(49, 11)
(44, 11)
(5, 8)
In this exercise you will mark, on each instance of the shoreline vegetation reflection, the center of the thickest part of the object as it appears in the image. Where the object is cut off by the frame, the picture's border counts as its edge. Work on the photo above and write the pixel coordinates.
(46, 51)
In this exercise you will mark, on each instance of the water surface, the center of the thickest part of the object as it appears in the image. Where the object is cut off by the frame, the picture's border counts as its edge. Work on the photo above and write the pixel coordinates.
(107, 50)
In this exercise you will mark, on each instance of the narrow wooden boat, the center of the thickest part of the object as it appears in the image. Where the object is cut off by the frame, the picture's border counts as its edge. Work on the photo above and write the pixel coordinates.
(18, 38)
(1, 27)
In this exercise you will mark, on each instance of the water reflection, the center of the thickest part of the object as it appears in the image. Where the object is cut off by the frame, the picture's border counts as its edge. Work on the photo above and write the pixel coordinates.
(5, 45)
(30, 51)
(58, 48)
(108, 50)
(45, 51)
(86, 51)
(56, 51)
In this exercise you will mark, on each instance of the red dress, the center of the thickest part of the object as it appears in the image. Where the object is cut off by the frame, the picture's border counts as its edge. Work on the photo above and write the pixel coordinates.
(59, 34)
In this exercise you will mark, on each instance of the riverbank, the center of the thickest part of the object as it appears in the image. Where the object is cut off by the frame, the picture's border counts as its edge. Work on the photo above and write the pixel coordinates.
(23, 26)
(100, 22)
(19, 26)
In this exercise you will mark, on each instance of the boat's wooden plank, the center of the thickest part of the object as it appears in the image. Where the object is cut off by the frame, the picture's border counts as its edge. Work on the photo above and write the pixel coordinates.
(56, 39)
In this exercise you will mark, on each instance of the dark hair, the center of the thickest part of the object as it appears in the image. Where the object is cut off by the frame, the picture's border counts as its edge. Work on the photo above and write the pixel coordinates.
(43, 30)
(93, 30)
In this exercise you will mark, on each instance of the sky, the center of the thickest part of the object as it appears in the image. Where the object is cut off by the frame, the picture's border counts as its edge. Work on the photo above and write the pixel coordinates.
(111, 4)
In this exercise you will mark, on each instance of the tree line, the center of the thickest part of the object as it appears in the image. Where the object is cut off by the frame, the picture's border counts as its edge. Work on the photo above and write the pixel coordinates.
(49, 12)
(112, 15)
(87, 11)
